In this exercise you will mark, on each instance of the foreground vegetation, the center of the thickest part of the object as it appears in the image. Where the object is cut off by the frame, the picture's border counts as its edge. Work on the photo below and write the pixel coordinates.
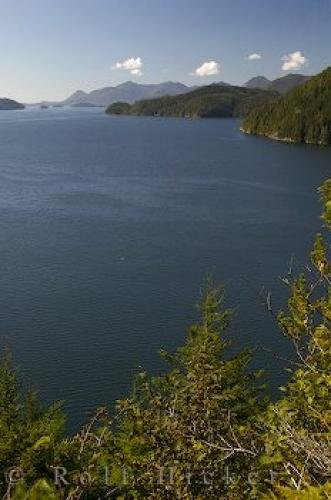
(302, 115)
(212, 101)
(203, 430)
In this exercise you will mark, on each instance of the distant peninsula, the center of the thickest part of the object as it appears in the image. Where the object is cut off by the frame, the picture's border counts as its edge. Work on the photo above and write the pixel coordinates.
(303, 115)
(9, 104)
(212, 101)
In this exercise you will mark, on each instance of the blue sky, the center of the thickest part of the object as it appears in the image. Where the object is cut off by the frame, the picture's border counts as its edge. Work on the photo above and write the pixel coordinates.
(50, 48)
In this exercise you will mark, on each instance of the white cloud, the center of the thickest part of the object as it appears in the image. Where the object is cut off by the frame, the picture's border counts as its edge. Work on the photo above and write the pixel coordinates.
(254, 57)
(208, 68)
(294, 61)
(133, 65)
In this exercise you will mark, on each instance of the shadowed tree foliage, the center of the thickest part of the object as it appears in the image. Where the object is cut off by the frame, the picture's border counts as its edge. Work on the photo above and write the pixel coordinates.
(28, 433)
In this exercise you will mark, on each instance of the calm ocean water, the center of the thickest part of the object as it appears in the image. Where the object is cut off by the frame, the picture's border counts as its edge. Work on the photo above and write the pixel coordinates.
(109, 225)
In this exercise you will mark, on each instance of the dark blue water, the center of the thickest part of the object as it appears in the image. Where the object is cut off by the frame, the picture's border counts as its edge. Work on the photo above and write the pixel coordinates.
(109, 225)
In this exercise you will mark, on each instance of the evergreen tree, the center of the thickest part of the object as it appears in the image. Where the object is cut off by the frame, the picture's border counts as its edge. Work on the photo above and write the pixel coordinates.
(298, 425)
(28, 433)
(191, 432)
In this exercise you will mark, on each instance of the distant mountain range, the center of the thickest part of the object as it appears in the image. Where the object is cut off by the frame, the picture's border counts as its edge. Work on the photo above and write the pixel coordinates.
(131, 91)
(10, 104)
(281, 85)
(126, 92)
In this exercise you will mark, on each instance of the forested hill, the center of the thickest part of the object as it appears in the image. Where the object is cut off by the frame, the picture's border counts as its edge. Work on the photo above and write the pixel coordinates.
(205, 102)
(302, 115)
(10, 104)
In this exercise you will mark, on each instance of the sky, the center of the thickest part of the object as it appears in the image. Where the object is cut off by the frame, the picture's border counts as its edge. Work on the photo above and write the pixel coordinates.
(51, 48)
